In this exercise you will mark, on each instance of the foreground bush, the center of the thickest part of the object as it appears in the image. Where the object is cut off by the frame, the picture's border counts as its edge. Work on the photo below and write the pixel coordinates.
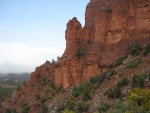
(134, 63)
(83, 90)
(135, 49)
(147, 49)
(83, 107)
(103, 107)
(140, 98)
(138, 80)
(123, 82)
(113, 93)
(68, 111)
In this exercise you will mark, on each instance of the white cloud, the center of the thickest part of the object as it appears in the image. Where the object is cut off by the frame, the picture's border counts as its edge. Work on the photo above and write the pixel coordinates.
(18, 57)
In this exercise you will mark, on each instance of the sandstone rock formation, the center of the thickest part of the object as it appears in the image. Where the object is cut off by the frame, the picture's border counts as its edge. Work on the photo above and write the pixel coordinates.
(110, 27)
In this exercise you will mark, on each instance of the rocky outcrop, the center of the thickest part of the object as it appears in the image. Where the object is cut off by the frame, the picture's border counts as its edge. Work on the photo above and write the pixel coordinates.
(110, 27)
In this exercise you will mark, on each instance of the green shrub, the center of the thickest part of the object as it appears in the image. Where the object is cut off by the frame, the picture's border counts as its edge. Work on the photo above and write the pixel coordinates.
(135, 49)
(14, 111)
(108, 10)
(60, 106)
(86, 93)
(147, 49)
(123, 106)
(140, 98)
(89, 42)
(138, 81)
(43, 100)
(83, 107)
(147, 75)
(103, 107)
(25, 107)
(115, 111)
(8, 110)
(52, 85)
(113, 93)
(134, 63)
(76, 91)
(111, 73)
(98, 79)
(71, 104)
(68, 111)
(120, 61)
(80, 53)
(123, 82)
(57, 89)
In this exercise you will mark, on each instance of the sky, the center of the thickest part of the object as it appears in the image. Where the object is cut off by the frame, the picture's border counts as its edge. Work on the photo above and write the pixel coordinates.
(33, 31)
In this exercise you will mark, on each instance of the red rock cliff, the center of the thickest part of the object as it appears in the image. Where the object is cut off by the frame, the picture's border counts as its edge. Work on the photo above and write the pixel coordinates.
(110, 26)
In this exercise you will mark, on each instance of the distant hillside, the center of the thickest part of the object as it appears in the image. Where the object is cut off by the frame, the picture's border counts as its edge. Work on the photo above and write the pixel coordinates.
(14, 78)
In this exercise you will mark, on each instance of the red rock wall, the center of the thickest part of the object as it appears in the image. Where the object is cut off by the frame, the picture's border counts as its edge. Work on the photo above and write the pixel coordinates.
(110, 27)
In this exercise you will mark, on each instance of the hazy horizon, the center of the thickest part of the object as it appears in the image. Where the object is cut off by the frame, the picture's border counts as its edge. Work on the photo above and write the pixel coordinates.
(33, 31)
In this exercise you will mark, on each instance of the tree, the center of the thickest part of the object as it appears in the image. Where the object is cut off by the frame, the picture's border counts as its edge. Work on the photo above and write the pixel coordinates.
(53, 61)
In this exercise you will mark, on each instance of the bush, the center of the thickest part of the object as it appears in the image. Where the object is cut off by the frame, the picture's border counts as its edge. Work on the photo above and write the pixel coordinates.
(138, 81)
(113, 93)
(43, 100)
(86, 93)
(76, 91)
(14, 111)
(8, 110)
(123, 82)
(108, 10)
(52, 85)
(147, 49)
(83, 89)
(120, 61)
(115, 111)
(111, 73)
(103, 107)
(123, 106)
(80, 53)
(140, 98)
(98, 79)
(135, 49)
(134, 63)
(25, 107)
(82, 107)
(60, 106)
(70, 104)
(68, 111)
(89, 42)
(57, 89)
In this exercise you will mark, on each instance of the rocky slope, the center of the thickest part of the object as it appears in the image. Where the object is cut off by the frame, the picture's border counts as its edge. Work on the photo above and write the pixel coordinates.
(110, 27)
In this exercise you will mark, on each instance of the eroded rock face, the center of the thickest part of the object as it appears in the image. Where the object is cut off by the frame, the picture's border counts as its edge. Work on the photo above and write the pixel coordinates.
(110, 27)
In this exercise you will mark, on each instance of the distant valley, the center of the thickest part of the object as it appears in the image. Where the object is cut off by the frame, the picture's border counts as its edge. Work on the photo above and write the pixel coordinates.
(13, 79)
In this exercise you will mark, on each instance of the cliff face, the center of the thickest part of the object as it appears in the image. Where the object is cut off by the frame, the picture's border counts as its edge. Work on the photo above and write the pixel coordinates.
(110, 27)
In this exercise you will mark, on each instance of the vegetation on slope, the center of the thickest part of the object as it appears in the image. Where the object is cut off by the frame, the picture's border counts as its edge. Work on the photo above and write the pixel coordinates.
(109, 92)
